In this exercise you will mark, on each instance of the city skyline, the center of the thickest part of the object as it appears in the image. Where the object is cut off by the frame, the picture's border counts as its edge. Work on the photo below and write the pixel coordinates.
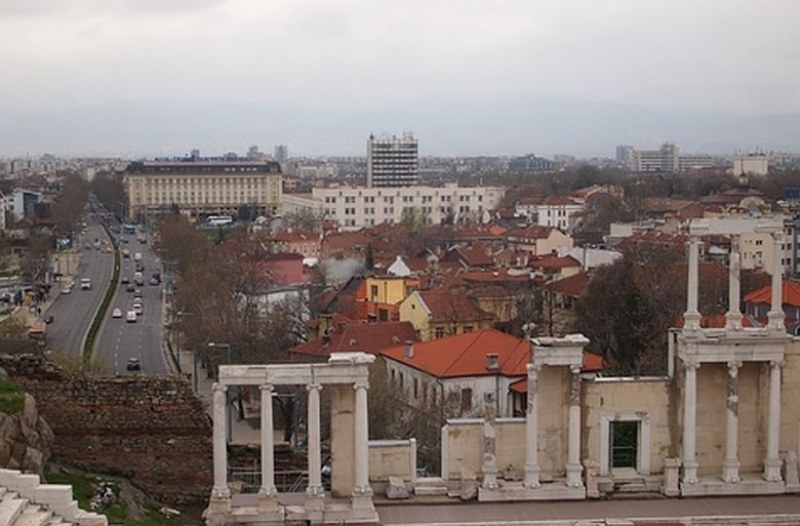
(130, 77)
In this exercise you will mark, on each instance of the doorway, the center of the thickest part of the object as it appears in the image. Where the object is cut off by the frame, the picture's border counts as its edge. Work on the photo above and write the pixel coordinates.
(624, 445)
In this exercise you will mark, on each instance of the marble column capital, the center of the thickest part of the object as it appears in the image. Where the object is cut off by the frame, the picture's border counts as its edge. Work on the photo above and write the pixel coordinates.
(314, 387)
(266, 387)
(692, 365)
(218, 387)
(533, 368)
(575, 369)
(777, 364)
(733, 368)
(361, 384)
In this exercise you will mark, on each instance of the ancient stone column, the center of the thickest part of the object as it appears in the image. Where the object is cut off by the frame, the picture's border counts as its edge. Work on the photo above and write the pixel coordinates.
(532, 428)
(691, 318)
(730, 466)
(775, 314)
(220, 451)
(574, 467)
(314, 488)
(689, 423)
(361, 464)
(268, 492)
(772, 462)
(733, 319)
(489, 442)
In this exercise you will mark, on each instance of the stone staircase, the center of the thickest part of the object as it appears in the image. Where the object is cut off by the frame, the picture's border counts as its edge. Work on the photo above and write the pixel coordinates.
(25, 501)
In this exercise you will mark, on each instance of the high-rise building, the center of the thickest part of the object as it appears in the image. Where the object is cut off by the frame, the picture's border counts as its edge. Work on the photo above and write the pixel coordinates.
(392, 162)
(281, 153)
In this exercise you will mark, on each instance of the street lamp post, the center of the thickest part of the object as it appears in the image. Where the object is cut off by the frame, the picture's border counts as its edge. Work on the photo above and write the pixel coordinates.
(228, 412)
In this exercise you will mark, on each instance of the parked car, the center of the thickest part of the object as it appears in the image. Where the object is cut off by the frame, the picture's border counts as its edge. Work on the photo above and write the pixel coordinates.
(131, 316)
(116, 313)
(134, 364)
(125, 280)
(48, 319)
(154, 282)
(130, 288)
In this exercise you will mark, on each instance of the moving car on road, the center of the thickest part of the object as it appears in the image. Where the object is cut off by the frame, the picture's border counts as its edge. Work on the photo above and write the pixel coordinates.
(116, 313)
(131, 316)
(134, 364)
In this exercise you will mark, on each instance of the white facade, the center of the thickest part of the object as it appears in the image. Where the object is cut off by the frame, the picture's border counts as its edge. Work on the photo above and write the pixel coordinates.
(358, 207)
(750, 164)
(392, 162)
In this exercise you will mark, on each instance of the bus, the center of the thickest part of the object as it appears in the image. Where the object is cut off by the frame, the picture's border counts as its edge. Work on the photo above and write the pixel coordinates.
(219, 220)
(129, 229)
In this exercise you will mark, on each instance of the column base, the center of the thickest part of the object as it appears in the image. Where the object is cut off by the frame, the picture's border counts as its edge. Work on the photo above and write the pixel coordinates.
(733, 322)
(220, 501)
(689, 472)
(691, 321)
(574, 475)
(772, 470)
(775, 321)
(532, 476)
(268, 500)
(730, 471)
(489, 479)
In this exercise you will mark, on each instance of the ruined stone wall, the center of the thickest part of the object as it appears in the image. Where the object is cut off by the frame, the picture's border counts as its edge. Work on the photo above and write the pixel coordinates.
(151, 429)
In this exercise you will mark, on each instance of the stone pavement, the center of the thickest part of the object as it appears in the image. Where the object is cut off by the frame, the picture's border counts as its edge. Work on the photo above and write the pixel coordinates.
(671, 511)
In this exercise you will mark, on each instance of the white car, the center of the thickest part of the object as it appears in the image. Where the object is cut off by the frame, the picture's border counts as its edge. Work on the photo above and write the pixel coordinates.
(130, 317)
(116, 313)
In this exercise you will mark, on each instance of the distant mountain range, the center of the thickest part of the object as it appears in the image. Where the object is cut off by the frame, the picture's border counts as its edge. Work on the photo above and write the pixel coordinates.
(514, 125)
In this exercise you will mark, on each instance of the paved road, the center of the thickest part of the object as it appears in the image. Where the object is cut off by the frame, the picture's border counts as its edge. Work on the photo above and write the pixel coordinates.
(73, 313)
(119, 340)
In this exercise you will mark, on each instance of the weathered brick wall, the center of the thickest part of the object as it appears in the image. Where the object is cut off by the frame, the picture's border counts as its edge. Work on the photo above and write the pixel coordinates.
(151, 429)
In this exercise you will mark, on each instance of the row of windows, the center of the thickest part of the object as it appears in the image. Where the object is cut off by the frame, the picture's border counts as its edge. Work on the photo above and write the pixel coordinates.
(204, 181)
(331, 200)
(428, 392)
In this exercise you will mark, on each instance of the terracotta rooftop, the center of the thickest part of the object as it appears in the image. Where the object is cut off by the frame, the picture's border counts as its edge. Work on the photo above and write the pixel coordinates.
(445, 305)
(571, 286)
(465, 355)
(358, 337)
(531, 232)
(555, 262)
(790, 293)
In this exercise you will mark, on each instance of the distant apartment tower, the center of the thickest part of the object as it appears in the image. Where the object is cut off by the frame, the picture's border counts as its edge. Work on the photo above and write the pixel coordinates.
(665, 159)
(281, 153)
(625, 155)
(392, 162)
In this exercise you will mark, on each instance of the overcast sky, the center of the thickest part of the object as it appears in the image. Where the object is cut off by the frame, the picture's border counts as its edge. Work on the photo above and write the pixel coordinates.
(724, 55)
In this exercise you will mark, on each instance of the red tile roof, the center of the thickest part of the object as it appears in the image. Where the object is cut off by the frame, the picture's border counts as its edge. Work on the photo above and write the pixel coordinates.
(359, 337)
(790, 293)
(465, 355)
(571, 286)
(531, 232)
(555, 262)
(445, 305)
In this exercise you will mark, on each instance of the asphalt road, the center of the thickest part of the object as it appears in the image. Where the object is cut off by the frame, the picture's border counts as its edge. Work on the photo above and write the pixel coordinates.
(120, 340)
(73, 313)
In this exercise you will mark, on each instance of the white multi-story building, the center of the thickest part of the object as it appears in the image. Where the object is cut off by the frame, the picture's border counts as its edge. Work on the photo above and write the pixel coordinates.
(555, 211)
(752, 164)
(201, 187)
(392, 162)
(357, 207)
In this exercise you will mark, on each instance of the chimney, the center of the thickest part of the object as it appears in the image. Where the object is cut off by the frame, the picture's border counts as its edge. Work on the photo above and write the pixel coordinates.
(409, 352)
(492, 361)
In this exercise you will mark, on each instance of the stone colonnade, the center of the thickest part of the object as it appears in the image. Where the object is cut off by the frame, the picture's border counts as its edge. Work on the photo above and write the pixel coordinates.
(341, 370)
(555, 352)
(732, 347)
